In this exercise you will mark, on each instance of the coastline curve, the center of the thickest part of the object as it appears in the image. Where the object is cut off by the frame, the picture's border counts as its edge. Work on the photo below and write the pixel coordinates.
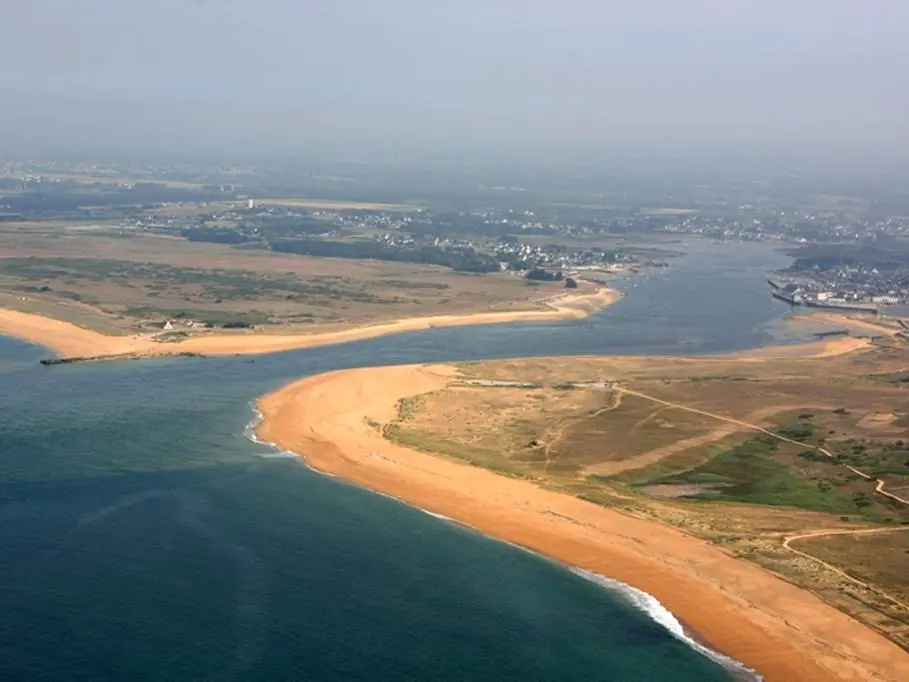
(771, 626)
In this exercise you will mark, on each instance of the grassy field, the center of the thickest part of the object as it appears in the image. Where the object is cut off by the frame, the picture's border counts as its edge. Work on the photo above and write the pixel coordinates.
(766, 471)
(680, 440)
(99, 277)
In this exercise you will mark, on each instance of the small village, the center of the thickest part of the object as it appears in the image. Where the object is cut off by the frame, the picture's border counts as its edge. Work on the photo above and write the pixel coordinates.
(853, 288)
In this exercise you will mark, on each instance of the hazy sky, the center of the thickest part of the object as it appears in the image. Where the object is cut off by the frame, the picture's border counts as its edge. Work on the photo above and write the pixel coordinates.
(437, 76)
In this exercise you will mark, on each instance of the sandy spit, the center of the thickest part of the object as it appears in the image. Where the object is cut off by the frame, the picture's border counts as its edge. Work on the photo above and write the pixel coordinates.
(784, 632)
(71, 341)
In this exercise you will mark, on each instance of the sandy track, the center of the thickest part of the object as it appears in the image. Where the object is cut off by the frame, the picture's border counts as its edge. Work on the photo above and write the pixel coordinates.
(786, 633)
(880, 486)
(657, 454)
(814, 534)
(69, 340)
(728, 427)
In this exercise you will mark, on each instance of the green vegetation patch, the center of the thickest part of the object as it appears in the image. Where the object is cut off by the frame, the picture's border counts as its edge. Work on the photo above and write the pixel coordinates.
(875, 458)
(678, 462)
(749, 472)
(801, 431)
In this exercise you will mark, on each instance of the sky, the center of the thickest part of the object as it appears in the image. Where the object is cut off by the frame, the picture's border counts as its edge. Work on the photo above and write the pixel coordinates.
(393, 78)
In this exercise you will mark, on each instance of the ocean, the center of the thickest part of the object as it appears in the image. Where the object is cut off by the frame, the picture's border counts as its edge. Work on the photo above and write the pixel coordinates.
(145, 537)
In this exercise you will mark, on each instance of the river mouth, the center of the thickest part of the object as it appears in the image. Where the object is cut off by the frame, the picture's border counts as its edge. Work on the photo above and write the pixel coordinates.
(236, 542)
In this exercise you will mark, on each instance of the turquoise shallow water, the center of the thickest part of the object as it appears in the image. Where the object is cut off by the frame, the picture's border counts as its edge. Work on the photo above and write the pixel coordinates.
(145, 538)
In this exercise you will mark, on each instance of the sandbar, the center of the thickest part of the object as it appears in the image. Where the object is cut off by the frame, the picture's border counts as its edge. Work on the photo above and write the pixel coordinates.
(334, 421)
(71, 341)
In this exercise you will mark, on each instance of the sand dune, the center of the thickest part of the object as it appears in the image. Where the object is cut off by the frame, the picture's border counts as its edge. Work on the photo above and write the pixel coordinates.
(786, 633)
(69, 340)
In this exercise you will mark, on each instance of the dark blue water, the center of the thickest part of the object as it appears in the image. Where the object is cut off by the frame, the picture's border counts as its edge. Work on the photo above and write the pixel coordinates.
(143, 537)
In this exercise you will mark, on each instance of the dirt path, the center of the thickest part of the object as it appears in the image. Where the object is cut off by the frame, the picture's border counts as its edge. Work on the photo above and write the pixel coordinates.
(787, 543)
(657, 454)
(558, 432)
(641, 423)
(880, 487)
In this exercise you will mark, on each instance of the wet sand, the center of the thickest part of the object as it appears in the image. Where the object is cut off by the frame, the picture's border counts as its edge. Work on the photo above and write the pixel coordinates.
(827, 348)
(71, 341)
(854, 321)
(784, 632)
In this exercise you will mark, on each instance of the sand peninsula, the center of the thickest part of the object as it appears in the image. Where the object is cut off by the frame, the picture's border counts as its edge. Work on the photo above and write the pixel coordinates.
(73, 343)
(335, 422)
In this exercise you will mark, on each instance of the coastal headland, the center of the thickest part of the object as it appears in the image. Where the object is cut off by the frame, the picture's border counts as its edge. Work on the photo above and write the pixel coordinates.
(73, 343)
(340, 423)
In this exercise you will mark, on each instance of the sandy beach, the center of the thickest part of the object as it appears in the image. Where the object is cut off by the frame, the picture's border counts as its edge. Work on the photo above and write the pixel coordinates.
(827, 348)
(864, 323)
(784, 632)
(71, 341)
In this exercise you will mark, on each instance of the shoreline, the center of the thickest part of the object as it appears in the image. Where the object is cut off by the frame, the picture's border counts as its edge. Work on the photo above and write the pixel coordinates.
(78, 344)
(742, 611)
(653, 608)
(635, 598)
(853, 321)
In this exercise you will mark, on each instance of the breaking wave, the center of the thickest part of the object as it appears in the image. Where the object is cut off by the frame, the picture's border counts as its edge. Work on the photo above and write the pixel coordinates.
(664, 617)
(249, 431)
(639, 599)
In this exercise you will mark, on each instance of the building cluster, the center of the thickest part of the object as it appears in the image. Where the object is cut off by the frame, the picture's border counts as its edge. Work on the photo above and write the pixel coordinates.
(778, 226)
(789, 226)
(398, 230)
(557, 257)
(516, 255)
(864, 288)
